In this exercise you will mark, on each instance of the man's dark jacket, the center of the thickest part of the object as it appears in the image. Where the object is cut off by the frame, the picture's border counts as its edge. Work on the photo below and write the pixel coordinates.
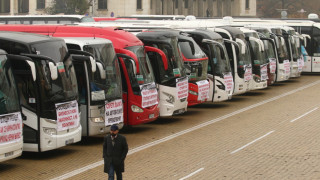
(114, 154)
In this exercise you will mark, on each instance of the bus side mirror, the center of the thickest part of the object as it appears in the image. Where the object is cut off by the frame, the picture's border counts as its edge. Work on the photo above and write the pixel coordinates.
(101, 70)
(161, 53)
(33, 69)
(282, 41)
(53, 70)
(243, 45)
(256, 41)
(93, 64)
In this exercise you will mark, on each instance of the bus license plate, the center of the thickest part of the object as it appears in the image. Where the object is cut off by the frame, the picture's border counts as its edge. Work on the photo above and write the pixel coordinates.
(151, 116)
(8, 154)
(69, 141)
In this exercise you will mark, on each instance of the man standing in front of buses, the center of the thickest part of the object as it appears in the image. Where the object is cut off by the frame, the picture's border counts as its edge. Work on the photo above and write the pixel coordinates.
(115, 149)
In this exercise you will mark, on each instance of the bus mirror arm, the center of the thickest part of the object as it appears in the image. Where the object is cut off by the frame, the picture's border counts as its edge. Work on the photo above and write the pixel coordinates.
(161, 53)
(131, 60)
(129, 55)
(84, 53)
(26, 59)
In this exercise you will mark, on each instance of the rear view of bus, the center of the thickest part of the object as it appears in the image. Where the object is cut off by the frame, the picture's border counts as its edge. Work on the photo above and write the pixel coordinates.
(48, 91)
(11, 139)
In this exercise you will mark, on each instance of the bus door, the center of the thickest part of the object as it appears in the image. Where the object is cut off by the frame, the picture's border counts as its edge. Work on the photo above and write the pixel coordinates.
(84, 93)
(128, 69)
(315, 45)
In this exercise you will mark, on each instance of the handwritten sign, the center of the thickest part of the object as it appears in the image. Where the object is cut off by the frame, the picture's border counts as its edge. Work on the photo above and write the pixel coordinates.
(286, 65)
(203, 90)
(182, 87)
(247, 73)
(264, 72)
(113, 112)
(228, 80)
(10, 128)
(272, 65)
(67, 115)
(149, 95)
(300, 63)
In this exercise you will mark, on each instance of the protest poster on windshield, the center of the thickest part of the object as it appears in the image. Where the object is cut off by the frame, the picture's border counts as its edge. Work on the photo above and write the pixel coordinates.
(67, 115)
(10, 128)
(182, 87)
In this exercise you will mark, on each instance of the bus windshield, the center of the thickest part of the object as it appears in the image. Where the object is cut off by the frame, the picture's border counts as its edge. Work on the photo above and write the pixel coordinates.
(175, 63)
(64, 88)
(145, 75)
(268, 47)
(295, 51)
(220, 60)
(197, 67)
(110, 85)
(282, 51)
(9, 101)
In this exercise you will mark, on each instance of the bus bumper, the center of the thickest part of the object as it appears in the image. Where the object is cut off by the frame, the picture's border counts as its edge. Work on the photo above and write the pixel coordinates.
(11, 151)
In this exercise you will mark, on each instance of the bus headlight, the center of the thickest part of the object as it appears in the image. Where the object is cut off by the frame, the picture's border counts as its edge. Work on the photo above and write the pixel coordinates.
(256, 78)
(97, 119)
(50, 131)
(193, 93)
(135, 108)
(170, 98)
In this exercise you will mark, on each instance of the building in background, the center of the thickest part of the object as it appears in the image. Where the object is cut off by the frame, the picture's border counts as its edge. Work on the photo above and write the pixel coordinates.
(199, 8)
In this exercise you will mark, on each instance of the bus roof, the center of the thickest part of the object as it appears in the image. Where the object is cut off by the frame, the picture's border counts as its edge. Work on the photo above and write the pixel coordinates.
(25, 38)
(82, 41)
(119, 38)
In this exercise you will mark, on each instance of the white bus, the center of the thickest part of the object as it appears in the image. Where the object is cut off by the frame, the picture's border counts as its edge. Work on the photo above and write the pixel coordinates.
(100, 87)
(173, 80)
(312, 29)
(218, 66)
(11, 139)
(258, 59)
(47, 86)
(45, 19)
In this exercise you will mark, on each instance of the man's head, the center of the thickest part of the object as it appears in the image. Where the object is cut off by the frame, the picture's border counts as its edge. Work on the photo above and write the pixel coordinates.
(114, 130)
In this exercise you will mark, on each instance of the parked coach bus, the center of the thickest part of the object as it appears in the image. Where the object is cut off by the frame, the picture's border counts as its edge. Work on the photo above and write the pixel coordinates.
(100, 90)
(11, 139)
(48, 91)
(213, 45)
(172, 81)
(140, 95)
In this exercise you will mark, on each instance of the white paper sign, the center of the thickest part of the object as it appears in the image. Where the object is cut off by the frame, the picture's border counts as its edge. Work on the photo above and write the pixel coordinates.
(286, 65)
(272, 65)
(264, 72)
(182, 87)
(149, 95)
(248, 73)
(203, 90)
(228, 80)
(67, 115)
(113, 112)
(300, 63)
(10, 128)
